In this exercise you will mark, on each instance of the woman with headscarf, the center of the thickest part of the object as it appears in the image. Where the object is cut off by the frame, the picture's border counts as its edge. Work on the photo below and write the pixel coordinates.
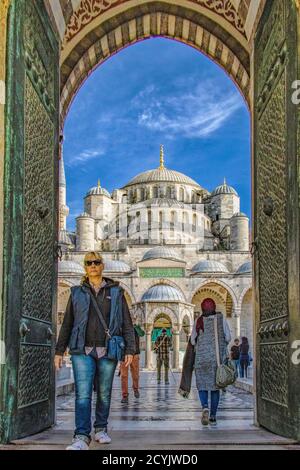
(203, 338)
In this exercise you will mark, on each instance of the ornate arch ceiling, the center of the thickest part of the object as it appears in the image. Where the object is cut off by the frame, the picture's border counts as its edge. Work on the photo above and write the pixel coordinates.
(93, 30)
(90, 9)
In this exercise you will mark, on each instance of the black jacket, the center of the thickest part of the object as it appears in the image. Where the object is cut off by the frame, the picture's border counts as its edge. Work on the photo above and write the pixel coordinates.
(95, 335)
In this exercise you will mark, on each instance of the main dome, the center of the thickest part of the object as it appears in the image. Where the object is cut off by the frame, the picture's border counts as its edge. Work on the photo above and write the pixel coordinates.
(162, 175)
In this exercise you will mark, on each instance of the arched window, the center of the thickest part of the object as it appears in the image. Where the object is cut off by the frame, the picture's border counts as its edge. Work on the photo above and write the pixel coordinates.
(194, 223)
(168, 192)
(172, 222)
(160, 220)
(181, 194)
(155, 191)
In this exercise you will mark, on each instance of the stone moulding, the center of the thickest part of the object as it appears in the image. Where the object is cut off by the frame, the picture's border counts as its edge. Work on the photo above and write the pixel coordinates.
(90, 9)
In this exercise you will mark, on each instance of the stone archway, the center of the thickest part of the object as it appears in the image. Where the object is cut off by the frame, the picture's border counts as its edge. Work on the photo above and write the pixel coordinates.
(159, 23)
(225, 302)
(265, 74)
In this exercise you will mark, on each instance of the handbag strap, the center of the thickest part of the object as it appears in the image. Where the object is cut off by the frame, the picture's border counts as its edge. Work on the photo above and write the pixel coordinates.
(217, 340)
(103, 322)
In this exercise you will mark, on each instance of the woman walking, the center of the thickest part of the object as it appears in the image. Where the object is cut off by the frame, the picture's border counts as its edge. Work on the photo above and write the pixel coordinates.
(203, 337)
(96, 311)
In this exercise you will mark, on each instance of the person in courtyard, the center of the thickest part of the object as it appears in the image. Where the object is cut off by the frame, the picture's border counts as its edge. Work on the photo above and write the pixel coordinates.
(134, 367)
(97, 311)
(206, 326)
(162, 347)
(235, 355)
(244, 357)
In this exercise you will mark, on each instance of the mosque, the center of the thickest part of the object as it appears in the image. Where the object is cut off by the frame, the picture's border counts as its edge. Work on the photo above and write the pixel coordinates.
(170, 243)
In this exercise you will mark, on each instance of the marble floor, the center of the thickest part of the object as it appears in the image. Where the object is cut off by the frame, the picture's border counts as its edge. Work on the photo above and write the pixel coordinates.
(162, 419)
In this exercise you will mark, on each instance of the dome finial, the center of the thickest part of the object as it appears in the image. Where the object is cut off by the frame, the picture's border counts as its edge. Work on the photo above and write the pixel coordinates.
(99, 186)
(161, 158)
(225, 182)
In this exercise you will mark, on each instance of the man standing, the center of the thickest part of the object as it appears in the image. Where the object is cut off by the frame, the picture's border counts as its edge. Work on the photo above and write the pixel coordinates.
(134, 367)
(162, 348)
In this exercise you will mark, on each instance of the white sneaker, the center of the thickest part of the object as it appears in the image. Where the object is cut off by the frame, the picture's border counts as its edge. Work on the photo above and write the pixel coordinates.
(78, 444)
(102, 437)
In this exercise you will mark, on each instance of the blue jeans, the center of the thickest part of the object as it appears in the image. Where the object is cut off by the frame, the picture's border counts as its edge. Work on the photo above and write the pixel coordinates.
(86, 370)
(236, 364)
(214, 401)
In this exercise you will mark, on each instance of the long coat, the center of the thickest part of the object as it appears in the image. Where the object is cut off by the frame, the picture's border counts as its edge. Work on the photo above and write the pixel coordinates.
(205, 351)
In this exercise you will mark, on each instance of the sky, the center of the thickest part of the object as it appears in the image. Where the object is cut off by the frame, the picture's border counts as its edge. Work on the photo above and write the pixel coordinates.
(156, 92)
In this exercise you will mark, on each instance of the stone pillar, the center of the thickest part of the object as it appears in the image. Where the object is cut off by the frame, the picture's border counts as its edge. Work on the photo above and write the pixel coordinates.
(148, 361)
(176, 345)
(237, 323)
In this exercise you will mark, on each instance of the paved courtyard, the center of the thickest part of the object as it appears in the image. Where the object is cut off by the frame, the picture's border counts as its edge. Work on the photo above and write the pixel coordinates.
(162, 419)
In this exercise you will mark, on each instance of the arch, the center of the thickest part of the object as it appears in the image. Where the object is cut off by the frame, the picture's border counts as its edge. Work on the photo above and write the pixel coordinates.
(135, 25)
(150, 316)
(128, 291)
(71, 16)
(243, 294)
(220, 283)
(246, 316)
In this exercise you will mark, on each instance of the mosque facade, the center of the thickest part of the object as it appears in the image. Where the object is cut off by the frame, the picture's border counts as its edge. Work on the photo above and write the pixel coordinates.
(170, 244)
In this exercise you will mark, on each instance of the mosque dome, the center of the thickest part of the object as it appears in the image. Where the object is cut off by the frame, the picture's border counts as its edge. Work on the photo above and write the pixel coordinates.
(245, 268)
(97, 191)
(162, 174)
(224, 189)
(240, 214)
(67, 267)
(64, 238)
(209, 266)
(116, 266)
(162, 293)
(162, 252)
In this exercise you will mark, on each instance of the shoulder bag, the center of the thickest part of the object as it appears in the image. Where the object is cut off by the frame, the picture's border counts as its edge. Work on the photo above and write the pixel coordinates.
(225, 371)
(115, 344)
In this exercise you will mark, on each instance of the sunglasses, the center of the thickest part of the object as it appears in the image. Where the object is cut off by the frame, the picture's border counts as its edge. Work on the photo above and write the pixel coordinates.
(96, 262)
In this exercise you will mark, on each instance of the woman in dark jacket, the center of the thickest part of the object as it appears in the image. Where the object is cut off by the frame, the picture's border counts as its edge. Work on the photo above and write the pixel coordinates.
(244, 356)
(83, 332)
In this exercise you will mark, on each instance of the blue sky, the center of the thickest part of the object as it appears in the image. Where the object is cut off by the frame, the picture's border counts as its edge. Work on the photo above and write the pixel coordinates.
(156, 92)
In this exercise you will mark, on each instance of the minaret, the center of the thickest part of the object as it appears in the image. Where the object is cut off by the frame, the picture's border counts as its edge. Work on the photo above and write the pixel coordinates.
(63, 208)
(161, 158)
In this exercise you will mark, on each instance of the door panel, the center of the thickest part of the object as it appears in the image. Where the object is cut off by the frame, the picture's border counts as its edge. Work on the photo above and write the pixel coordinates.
(28, 400)
(276, 219)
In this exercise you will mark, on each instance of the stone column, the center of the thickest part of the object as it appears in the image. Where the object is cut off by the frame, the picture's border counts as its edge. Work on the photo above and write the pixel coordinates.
(148, 362)
(176, 345)
(237, 322)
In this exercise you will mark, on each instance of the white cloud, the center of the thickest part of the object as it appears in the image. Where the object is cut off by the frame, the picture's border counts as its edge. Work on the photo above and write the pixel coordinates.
(85, 157)
(195, 114)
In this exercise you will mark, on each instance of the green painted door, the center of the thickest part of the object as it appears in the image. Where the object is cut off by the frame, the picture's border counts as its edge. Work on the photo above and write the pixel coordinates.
(276, 216)
(31, 181)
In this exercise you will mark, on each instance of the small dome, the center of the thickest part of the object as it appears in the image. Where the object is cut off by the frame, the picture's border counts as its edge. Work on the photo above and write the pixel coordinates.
(116, 266)
(70, 267)
(245, 268)
(161, 252)
(64, 238)
(162, 293)
(97, 191)
(209, 266)
(224, 189)
(240, 214)
(84, 214)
